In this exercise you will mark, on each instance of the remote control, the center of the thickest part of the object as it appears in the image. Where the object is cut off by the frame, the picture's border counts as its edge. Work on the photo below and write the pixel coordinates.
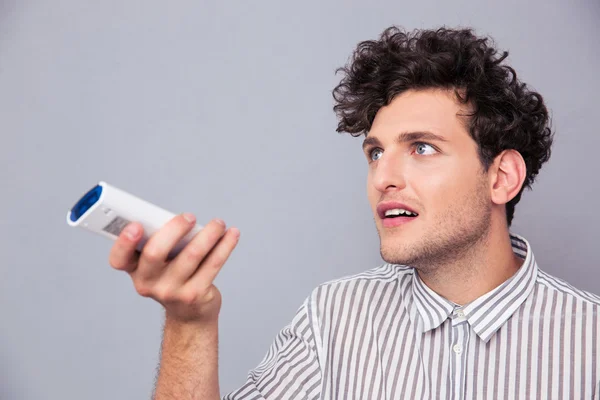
(106, 210)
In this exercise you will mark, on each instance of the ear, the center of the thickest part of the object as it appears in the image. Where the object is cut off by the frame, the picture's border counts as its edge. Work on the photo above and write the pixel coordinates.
(507, 176)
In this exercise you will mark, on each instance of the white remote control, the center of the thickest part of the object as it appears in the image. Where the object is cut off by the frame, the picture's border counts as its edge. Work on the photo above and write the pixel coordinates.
(106, 210)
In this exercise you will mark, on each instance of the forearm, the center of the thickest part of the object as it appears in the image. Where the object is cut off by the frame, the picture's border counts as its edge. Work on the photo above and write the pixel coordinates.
(189, 362)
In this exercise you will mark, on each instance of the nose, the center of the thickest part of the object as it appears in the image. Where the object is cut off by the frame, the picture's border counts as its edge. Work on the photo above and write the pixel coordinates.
(389, 173)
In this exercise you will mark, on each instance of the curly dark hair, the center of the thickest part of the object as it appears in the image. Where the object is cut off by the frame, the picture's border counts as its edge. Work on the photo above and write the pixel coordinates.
(505, 113)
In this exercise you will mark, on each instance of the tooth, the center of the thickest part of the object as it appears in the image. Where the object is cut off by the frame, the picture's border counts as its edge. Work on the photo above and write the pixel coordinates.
(390, 212)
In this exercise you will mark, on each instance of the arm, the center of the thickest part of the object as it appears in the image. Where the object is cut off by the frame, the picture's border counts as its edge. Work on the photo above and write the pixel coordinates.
(184, 286)
(189, 362)
(188, 367)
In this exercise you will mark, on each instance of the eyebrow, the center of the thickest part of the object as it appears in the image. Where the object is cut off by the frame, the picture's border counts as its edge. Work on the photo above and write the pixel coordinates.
(407, 137)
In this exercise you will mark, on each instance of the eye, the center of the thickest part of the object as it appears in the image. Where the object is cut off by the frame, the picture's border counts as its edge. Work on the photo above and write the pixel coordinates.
(421, 149)
(374, 152)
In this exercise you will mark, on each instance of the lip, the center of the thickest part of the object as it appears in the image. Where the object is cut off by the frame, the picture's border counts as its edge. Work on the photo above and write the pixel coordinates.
(389, 205)
(398, 221)
(393, 222)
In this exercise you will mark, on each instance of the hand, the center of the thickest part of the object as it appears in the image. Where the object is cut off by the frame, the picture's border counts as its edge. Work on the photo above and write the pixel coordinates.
(183, 285)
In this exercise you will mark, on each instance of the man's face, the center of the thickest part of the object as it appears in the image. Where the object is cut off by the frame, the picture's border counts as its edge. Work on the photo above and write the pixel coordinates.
(442, 180)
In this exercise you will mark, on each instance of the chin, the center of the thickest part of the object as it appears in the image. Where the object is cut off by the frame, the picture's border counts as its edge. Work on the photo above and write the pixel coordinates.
(399, 246)
(395, 254)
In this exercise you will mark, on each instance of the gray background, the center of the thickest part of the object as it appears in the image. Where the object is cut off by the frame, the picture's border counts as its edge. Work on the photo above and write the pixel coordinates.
(224, 109)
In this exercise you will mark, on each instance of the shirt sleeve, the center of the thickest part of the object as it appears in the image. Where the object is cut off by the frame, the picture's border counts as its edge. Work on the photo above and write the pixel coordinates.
(290, 369)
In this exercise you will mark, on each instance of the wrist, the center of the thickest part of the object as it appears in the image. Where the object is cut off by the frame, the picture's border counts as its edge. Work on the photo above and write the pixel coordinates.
(173, 323)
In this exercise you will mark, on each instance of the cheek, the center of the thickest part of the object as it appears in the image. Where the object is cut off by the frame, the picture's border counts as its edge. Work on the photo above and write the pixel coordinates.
(431, 179)
(441, 187)
(372, 194)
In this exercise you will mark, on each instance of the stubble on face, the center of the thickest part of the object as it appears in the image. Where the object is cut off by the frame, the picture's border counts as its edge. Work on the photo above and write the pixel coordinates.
(450, 235)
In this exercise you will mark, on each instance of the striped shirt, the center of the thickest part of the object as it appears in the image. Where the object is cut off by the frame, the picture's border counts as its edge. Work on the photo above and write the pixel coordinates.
(383, 334)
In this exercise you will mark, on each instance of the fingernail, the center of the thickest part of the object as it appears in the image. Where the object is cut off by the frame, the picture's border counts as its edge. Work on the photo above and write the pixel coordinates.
(235, 232)
(220, 222)
(189, 217)
(132, 232)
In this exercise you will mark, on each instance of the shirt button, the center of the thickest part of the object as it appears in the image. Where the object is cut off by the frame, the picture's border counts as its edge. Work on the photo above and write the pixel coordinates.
(457, 348)
(460, 313)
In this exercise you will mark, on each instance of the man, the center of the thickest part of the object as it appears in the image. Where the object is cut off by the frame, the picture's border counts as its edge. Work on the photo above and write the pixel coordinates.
(460, 309)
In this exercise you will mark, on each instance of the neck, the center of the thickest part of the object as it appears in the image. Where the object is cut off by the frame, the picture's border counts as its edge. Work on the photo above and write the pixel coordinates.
(482, 268)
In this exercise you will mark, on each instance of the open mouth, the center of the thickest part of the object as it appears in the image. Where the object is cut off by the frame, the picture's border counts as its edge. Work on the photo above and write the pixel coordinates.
(396, 217)
(399, 212)
(394, 213)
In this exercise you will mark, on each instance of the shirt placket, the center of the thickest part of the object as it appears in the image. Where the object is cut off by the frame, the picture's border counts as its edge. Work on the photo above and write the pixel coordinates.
(458, 351)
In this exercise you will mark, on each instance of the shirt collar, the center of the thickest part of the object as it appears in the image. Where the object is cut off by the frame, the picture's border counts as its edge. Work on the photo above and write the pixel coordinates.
(489, 312)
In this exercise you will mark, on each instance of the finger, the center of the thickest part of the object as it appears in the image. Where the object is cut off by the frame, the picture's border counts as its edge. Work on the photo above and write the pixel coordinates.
(212, 264)
(123, 255)
(187, 262)
(155, 252)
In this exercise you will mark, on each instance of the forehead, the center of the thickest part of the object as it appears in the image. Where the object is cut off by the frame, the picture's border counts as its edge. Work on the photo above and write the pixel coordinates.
(432, 110)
